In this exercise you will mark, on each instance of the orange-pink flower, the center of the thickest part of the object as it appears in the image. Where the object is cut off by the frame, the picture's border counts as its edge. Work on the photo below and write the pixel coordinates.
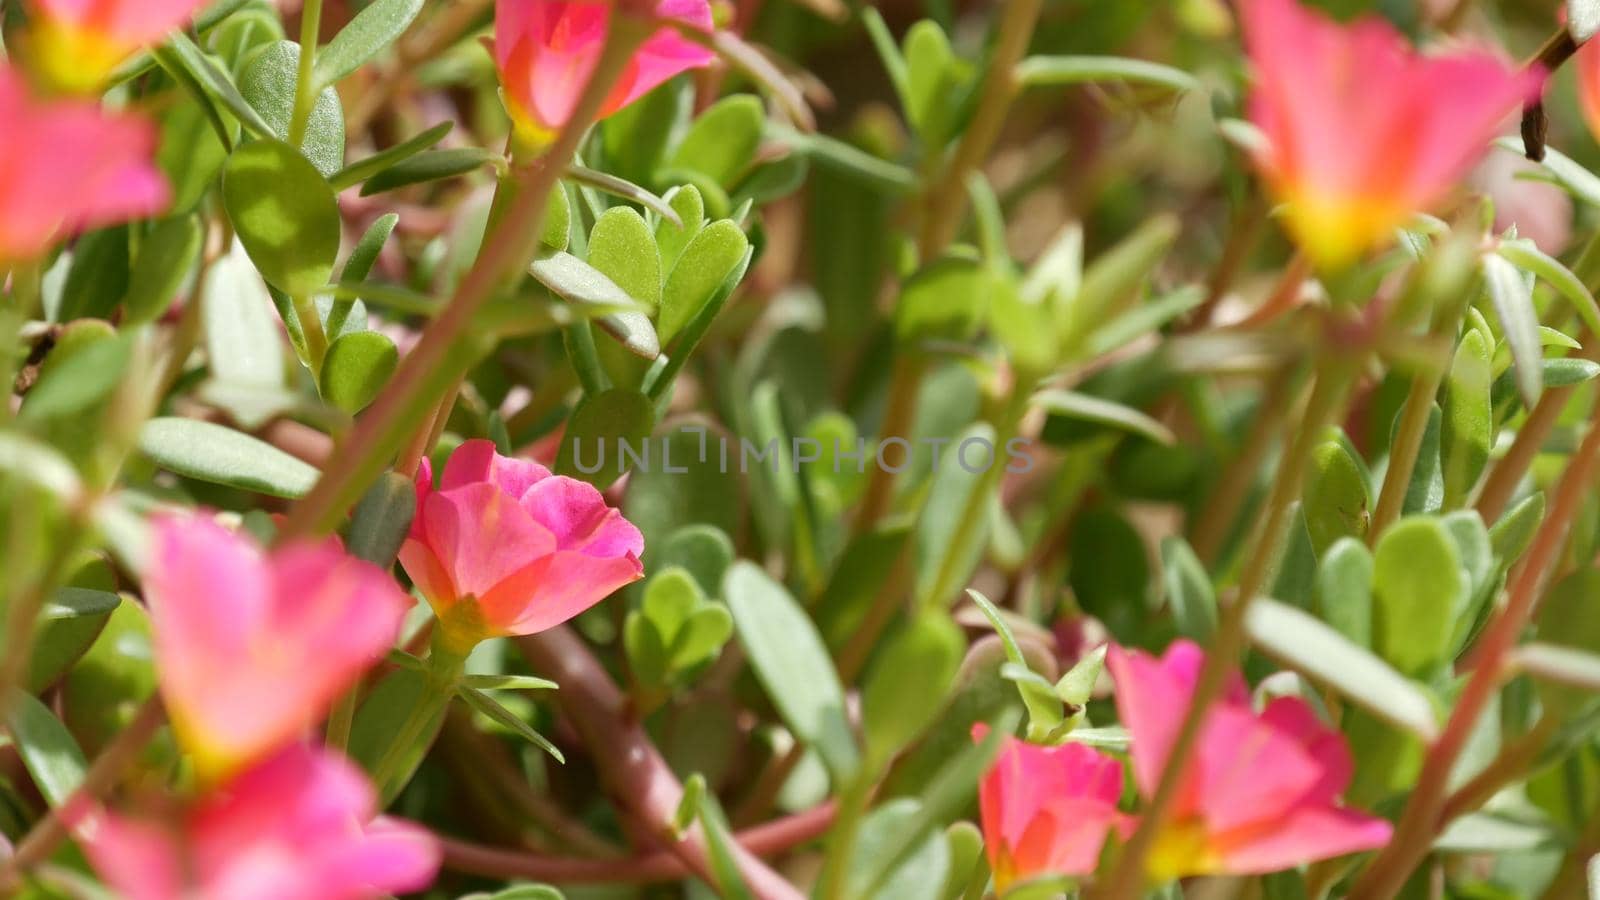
(251, 648)
(1587, 64)
(1361, 130)
(299, 825)
(1047, 810)
(500, 546)
(546, 50)
(66, 165)
(1261, 790)
(75, 44)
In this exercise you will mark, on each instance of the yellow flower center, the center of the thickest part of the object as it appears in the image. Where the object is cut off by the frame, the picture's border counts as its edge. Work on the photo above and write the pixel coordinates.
(1334, 230)
(71, 58)
(1181, 849)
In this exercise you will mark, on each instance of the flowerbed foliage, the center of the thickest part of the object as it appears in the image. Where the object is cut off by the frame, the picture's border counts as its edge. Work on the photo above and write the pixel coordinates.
(532, 449)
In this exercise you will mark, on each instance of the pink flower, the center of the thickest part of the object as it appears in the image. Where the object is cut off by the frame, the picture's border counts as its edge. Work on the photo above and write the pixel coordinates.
(546, 50)
(1261, 791)
(252, 648)
(1587, 64)
(298, 826)
(65, 166)
(1047, 810)
(1362, 131)
(75, 44)
(500, 546)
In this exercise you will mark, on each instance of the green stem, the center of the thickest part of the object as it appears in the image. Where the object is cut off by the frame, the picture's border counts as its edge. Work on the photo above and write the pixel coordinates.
(442, 677)
(305, 311)
(304, 90)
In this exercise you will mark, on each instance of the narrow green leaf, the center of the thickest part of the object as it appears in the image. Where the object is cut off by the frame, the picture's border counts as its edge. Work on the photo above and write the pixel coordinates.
(382, 519)
(192, 59)
(627, 190)
(1054, 71)
(1189, 592)
(48, 751)
(356, 368)
(1302, 642)
(211, 453)
(166, 256)
(1512, 295)
(1086, 408)
(363, 169)
(431, 165)
(1526, 255)
(507, 719)
(793, 665)
(371, 32)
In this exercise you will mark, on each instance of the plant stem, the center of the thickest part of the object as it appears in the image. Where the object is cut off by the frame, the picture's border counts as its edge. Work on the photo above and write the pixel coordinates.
(632, 769)
(449, 346)
(1512, 763)
(443, 675)
(1335, 377)
(305, 311)
(1420, 822)
(659, 866)
(50, 831)
(305, 94)
(1215, 522)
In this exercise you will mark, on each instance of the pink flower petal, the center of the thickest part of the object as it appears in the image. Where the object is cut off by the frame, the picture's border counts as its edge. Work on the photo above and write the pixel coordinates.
(481, 536)
(1303, 835)
(556, 588)
(576, 513)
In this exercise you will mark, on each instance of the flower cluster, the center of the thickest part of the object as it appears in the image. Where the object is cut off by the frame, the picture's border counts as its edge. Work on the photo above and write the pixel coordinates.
(1259, 793)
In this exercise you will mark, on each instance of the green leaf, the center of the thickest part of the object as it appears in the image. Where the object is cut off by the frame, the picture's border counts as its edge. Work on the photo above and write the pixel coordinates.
(947, 545)
(1578, 181)
(848, 161)
(1337, 501)
(217, 455)
(1526, 255)
(673, 237)
(1568, 371)
(268, 83)
(78, 373)
(1512, 535)
(1560, 664)
(285, 215)
(627, 190)
(909, 682)
(792, 664)
(507, 719)
(430, 165)
(602, 431)
(242, 340)
(1512, 295)
(356, 269)
(185, 56)
(382, 519)
(922, 871)
(37, 463)
(1467, 430)
(723, 140)
(1115, 275)
(704, 551)
(1344, 590)
(636, 136)
(1086, 408)
(720, 843)
(509, 683)
(372, 30)
(581, 284)
(361, 170)
(1045, 710)
(356, 368)
(166, 256)
(97, 277)
(48, 751)
(1418, 590)
(68, 625)
(622, 247)
(1298, 640)
(937, 82)
(1054, 71)
(943, 301)
(1190, 594)
(710, 257)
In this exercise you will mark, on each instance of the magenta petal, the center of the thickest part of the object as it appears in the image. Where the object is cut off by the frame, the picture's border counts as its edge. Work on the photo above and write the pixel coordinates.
(576, 513)
(140, 860)
(393, 856)
(1295, 719)
(1301, 836)
(476, 461)
(1249, 771)
(481, 536)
